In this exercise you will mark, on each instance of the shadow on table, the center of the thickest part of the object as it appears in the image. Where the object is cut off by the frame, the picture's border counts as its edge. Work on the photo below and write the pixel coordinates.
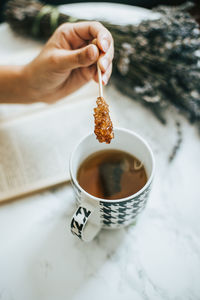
(63, 265)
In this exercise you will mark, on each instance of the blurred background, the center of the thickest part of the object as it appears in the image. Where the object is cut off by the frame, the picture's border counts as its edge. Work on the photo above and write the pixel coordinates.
(142, 3)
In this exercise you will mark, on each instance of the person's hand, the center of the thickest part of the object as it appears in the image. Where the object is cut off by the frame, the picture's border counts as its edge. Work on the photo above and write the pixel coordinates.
(68, 61)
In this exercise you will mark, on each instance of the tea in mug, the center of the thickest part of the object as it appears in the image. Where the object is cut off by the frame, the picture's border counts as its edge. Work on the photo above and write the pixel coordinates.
(111, 174)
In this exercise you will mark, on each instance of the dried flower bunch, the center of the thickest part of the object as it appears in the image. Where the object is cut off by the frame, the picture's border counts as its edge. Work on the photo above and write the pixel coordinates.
(156, 62)
(160, 65)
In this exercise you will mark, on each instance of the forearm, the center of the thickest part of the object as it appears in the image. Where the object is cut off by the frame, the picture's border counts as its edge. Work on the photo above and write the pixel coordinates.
(13, 85)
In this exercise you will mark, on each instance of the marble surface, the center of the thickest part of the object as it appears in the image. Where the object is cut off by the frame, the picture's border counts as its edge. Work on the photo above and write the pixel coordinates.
(158, 258)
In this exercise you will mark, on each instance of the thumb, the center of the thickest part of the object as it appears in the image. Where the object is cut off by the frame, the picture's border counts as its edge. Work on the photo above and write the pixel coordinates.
(82, 57)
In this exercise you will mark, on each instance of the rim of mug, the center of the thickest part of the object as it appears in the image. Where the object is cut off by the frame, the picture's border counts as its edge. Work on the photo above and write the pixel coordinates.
(120, 199)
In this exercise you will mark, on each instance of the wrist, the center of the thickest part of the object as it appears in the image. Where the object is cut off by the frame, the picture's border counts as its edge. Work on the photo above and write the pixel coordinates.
(13, 87)
(26, 77)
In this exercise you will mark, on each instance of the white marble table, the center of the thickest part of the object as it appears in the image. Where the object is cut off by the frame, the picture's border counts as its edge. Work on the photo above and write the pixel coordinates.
(158, 258)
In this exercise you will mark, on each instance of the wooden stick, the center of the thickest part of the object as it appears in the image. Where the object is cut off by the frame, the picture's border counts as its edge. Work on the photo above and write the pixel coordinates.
(100, 81)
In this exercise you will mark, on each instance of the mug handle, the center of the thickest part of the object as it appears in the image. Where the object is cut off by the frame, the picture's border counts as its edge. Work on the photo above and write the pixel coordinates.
(81, 224)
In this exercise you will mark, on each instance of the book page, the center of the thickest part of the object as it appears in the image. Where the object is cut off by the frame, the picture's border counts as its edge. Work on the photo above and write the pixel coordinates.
(35, 148)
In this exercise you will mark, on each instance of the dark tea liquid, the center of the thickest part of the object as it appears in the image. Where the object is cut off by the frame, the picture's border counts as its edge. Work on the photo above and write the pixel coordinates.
(111, 174)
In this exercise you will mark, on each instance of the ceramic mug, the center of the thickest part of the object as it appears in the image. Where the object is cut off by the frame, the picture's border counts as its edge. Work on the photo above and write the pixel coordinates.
(95, 213)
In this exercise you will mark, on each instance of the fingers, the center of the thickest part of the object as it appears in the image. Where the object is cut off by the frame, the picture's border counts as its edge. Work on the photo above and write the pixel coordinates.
(106, 59)
(105, 63)
(105, 76)
(90, 30)
(83, 57)
(78, 78)
(77, 35)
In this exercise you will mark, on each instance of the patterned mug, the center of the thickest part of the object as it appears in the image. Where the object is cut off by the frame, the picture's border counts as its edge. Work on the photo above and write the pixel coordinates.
(95, 213)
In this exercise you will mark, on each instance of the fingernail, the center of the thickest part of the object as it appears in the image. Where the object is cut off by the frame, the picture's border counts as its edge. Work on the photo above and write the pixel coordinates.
(104, 45)
(104, 63)
(92, 52)
(105, 79)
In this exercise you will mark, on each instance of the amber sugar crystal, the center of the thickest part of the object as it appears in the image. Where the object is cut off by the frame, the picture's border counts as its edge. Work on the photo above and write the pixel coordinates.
(103, 124)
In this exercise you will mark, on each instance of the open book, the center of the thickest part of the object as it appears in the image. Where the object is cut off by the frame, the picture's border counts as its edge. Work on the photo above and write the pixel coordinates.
(36, 144)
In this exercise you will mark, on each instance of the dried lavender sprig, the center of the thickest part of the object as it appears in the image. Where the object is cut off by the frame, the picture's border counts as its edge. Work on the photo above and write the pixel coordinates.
(178, 142)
